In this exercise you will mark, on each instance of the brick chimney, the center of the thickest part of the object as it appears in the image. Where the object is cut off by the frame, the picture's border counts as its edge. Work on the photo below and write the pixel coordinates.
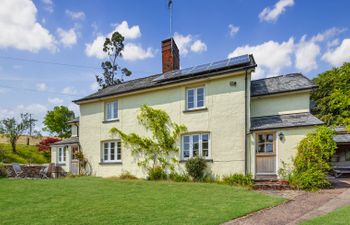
(170, 55)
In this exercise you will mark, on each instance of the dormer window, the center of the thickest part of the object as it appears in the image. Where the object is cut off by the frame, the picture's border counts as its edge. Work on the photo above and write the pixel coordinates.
(111, 111)
(195, 98)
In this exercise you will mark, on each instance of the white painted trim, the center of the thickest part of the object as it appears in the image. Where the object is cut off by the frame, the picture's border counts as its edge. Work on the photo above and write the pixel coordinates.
(195, 98)
(277, 159)
(200, 141)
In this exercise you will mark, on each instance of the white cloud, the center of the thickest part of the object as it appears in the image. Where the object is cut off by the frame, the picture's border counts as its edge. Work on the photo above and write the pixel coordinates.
(74, 108)
(187, 43)
(328, 34)
(69, 91)
(271, 15)
(333, 43)
(128, 32)
(338, 55)
(48, 5)
(305, 55)
(94, 49)
(19, 27)
(67, 37)
(270, 55)
(41, 86)
(198, 46)
(94, 86)
(78, 15)
(55, 101)
(233, 30)
(131, 51)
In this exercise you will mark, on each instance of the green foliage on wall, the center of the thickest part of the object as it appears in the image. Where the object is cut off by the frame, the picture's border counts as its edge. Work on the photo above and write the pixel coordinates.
(158, 150)
(311, 163)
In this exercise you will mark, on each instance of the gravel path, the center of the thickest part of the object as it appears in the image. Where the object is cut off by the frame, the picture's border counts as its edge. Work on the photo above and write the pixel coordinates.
(302, 206)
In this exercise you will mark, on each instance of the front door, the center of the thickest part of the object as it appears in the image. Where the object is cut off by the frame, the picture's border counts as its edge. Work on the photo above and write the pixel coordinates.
(265, 153)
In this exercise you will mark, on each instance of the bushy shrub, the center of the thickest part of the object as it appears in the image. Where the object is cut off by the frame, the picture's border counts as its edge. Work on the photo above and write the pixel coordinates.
(3, 171)
(157, 173)
(126, 175)
(196, 167)
(238, 179)
(178, 177)
(44, 145)
(311, 163)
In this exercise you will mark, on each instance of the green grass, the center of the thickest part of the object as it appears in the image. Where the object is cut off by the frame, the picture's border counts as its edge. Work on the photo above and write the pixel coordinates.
(25, 154)
(91, 200)
(338, 217)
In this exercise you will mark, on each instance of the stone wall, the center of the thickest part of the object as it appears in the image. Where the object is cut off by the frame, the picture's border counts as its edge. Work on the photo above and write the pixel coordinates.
(33, 171)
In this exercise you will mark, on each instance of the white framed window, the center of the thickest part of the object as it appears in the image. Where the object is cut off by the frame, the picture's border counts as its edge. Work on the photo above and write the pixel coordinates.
(61, 155)
(111, 151)
(111, 110)
(196, 145)
(195, 98)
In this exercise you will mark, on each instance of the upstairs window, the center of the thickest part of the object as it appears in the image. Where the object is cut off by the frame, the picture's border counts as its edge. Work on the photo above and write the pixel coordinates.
(195, 145)
(111, 111)
(195, 98)
(111, 151)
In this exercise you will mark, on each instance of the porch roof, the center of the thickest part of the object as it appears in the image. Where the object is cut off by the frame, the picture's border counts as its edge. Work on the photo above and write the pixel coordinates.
(68, 141)
(342, 138)
(284, 121)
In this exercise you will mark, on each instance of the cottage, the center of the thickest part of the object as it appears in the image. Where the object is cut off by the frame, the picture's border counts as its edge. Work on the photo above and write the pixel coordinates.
(236, 124)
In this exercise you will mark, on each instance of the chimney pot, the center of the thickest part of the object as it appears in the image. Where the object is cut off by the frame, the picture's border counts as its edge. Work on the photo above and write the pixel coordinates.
(170, 56)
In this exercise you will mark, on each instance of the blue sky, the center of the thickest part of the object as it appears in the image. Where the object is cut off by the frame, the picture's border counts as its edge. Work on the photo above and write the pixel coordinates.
(284, 35)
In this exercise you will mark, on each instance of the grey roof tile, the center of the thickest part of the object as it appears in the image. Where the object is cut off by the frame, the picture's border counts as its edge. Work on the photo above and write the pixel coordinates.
(72, 140)
(342, 138)
(150, 81)
(283, 121)
(283, 83)
(75, 120)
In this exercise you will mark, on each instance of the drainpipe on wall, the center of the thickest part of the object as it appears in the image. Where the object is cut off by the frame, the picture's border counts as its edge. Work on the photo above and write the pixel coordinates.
(245, 124)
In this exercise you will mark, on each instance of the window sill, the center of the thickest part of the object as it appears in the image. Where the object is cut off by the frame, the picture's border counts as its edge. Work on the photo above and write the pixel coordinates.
(185, 160)
(195, 110)
(111, 163)
(61, 164)
(110, 121)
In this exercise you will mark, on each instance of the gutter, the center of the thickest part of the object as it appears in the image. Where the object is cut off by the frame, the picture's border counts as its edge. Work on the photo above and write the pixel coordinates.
(245, 124)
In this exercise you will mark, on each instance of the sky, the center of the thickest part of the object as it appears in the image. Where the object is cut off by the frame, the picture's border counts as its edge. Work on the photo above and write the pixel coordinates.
(50, 50)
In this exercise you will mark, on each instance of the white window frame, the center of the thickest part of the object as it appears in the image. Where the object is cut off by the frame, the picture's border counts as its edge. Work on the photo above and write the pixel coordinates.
(117, 151)
(200, 141)
(62, 155)
(111, 104)
(195, 98)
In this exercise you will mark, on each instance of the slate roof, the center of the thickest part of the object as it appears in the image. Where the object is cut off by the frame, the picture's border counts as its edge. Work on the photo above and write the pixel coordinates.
(342, 138)
(280, 84)
(284, 121)
(68, 141)
(150, 81)
(75, 120)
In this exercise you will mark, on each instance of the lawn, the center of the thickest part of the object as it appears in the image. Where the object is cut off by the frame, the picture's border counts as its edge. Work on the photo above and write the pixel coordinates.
(25, 154)
(91, 200)
(338, 217)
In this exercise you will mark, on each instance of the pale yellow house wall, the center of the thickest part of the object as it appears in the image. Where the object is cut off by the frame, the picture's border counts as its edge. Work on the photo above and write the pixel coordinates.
(285, 149)
(280, 104)
(224, 119)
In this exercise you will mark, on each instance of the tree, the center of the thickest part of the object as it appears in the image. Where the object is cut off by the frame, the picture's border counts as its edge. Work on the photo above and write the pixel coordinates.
(156, 151)
(13, 129)
(312, 161)
(44, 145)
(56, 121)
(113, 47)
(332, 97)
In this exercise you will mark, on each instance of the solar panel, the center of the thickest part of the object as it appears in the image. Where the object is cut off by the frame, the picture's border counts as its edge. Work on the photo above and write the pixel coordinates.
(243, 59)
